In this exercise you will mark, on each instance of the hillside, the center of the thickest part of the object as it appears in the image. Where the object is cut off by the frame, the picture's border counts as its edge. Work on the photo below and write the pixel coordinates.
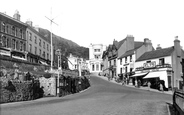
(66, 46)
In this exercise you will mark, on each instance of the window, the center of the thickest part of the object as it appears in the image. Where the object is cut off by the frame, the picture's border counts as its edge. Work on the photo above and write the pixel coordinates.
(21, 34)
(44, 45)
(2, 26)
(114, 62)
(161, 61)
(16, 32)
(93, 67)
(148, 61)
(35, 50)
(4, 41)
(21, 46)
(40, 52)
(131, 58)
(125, 59)
(40, 42)
(44, 54)
(17, 45)
(97, 67)
(35, 40)
(30, 36)
(121, 70)
(96, 50)
(110, 63)
(13, 30)
(131, 69)
(48, 56)
(30, 48)
(7, 29)
(125, 69)
(47, 47)
(121, 61)
(13, 44)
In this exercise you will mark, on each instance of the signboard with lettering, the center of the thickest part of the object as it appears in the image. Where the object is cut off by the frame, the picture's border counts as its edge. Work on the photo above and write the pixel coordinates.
(149, 65)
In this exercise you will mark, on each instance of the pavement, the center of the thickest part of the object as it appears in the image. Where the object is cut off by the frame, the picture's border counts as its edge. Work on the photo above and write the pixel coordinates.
(132, 86)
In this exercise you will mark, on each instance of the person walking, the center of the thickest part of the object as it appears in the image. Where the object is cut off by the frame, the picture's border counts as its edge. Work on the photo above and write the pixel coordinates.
(149, 85)
(135, 83)
(161, 87)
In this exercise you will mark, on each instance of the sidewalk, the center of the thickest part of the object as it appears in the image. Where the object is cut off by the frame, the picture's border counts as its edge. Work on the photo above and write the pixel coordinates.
(143, 88)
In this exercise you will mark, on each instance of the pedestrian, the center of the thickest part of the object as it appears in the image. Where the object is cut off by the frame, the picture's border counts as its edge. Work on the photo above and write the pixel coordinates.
(161, 87)
(149, 85)
(139, 83)
(135, 83)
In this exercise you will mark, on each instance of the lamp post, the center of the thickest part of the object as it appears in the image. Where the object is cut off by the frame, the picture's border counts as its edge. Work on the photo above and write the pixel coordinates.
(51, 21)
(58, 53)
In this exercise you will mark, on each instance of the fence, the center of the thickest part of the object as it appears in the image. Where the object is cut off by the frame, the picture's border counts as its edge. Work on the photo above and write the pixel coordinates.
(178, 102)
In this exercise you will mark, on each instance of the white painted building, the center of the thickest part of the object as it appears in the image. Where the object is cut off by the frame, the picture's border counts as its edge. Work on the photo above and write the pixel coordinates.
(95, 57)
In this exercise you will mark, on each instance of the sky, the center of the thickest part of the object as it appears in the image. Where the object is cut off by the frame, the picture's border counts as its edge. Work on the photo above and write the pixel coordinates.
(101, 21)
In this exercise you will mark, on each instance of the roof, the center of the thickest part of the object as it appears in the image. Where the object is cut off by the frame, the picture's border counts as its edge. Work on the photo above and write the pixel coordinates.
(156, 54)
(130, 52)
(5, 15)
(120, 43)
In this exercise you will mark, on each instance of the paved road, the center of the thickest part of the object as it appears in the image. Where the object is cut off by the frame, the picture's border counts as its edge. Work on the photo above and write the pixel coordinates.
(102, 98)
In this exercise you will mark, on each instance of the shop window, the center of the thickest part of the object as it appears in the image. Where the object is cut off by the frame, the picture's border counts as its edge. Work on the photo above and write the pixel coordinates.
(161, 61)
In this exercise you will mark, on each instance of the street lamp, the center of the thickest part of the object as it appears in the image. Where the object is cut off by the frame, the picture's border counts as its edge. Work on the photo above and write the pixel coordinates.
(58, 53)
(51, 21)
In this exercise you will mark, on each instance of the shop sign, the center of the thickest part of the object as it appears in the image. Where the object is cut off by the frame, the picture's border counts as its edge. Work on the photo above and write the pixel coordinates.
(149, 65)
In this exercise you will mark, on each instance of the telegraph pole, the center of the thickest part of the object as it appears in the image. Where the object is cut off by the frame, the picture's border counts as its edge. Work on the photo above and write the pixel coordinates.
(51, 21)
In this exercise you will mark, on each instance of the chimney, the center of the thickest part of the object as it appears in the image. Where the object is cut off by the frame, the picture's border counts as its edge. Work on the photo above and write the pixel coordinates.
(16, 15)
(177, 46)
(158, 47)
(148, 44)
(29, 22)
(129, 42)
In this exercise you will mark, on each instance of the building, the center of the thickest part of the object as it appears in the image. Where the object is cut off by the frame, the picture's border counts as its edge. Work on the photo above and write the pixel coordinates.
(129, 52)
(112, 58)
(12, 36)
(38, 47)
(95, 58)
(161, 66)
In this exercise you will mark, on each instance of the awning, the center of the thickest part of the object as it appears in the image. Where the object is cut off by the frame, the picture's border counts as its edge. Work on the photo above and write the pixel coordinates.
(140, 74)
(160, 74)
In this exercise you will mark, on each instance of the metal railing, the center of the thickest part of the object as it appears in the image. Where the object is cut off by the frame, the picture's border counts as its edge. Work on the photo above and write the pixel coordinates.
(178, 102)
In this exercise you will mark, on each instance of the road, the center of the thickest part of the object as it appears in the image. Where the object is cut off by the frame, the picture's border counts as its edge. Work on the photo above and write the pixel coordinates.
(102, 98)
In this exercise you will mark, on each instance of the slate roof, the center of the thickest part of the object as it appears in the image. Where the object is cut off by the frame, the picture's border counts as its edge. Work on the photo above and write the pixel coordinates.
(130, 52)
(156, 54)
(120, 43)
